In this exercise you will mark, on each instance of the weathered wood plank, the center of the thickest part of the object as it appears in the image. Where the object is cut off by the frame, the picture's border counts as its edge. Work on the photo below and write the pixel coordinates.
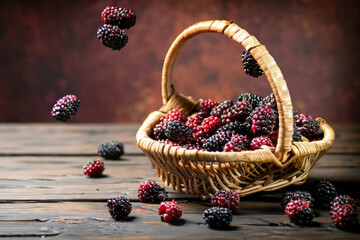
(61, 178)
(74, 220)
(64, 139)
(84, 139)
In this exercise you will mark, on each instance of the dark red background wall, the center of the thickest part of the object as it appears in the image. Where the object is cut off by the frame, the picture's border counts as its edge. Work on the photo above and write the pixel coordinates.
(49, 49)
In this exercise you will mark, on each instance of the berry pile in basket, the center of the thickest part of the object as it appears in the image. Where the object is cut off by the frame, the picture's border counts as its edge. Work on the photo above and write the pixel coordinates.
(115, 19)
(250, 123)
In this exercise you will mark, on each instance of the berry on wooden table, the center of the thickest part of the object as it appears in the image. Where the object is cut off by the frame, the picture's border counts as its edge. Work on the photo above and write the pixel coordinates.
(151, 192)
(299, 212)
(216, 217)
(119, 207)
(111, 150)
(94, 168)
(170, 211)
(227, 199)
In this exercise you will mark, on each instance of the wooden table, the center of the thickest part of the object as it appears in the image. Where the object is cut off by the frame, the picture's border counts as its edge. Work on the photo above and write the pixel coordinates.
(43, 191)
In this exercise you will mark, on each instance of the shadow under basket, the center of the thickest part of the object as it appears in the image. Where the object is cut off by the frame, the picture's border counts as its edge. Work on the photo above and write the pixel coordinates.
(203, 173)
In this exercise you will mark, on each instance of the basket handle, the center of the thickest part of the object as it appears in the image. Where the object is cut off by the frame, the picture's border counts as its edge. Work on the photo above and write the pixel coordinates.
(261, 55)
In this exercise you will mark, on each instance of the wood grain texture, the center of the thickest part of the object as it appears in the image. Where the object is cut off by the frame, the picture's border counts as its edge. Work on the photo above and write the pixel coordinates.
(43, 192)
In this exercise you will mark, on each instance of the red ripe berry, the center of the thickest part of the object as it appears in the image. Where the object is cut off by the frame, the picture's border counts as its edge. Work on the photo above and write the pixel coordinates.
(199, 135)
(175, 115)
(195, 120)
(344, 215)
(226, 199)
(299, 212)
(237, 143)
(94, 168)
(170, 211)
(211, 124)
(121, 17)
(257, 142)
(208, 105)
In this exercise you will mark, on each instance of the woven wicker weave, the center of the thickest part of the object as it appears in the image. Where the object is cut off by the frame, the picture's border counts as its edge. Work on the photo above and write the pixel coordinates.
(201, 172)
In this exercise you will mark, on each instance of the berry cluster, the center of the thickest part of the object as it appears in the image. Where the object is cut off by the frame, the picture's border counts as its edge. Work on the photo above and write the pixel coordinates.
(115, 19)
(343, 212)
(298, 205)
(94, 168)
(65, 108)
(151, 192)
(119, 207)
(226, 199)
(251, 67)
(170, 211)
(111, 150)
(250, 123)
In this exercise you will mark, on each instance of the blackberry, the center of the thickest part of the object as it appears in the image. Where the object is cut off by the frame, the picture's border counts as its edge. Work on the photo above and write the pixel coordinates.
(178, 132)
(251, 67)
(94, 168)
(270, 101)
(299, 212)
(65, 108)
(226, 199)
(208, 105)
(119, 207)
(216, 142)
(344, 216)
(236, 127)
(151, 192)
(254, 99)
(291, 196)
(324, 193)
(262, 120)
(112, 36)
(217, 217)
(170, 211)
(239, 111)
(111, 150)
(308, 126)
(237, 143)
(121, 17)
(221, 108)
(175, 115)
(296, 137)
(257, 142)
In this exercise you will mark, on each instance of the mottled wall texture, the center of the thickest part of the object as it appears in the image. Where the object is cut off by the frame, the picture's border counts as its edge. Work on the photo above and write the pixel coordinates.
(49, 49)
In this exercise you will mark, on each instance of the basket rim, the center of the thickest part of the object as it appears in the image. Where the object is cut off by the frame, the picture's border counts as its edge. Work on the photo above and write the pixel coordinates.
(265, 155)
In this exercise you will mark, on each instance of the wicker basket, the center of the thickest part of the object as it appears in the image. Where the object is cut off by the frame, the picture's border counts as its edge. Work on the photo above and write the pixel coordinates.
(203, 173)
